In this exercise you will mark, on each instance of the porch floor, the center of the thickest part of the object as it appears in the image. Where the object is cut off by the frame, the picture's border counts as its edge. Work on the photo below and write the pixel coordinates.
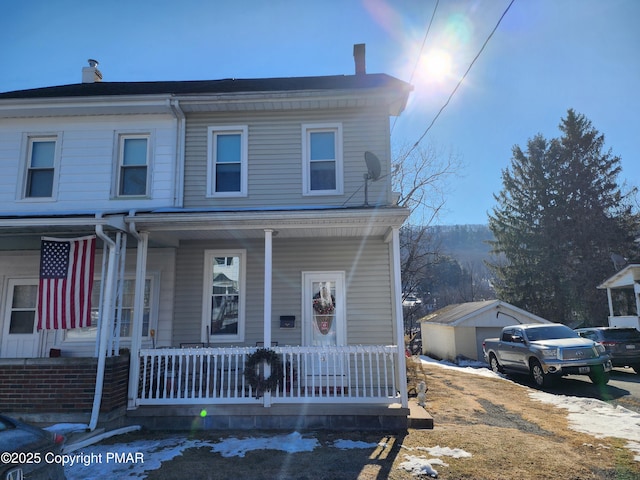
(313, 416)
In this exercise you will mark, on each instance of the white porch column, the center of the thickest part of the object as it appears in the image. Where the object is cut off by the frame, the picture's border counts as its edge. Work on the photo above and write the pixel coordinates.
(398, 315)
(138, 317)
(610, 300)
(636, 292)
(268, 268)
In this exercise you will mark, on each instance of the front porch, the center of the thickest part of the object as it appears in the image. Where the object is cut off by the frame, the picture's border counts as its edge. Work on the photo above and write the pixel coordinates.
(347, 388)
(216, 376)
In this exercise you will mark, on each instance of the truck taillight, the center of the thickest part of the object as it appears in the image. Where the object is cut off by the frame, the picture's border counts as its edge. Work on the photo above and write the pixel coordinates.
(610, 344)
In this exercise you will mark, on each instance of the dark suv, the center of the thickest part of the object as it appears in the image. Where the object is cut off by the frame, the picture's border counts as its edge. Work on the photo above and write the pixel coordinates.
(622, 344)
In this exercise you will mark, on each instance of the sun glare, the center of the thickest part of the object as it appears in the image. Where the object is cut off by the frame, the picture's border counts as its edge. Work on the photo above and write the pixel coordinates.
(436, 66)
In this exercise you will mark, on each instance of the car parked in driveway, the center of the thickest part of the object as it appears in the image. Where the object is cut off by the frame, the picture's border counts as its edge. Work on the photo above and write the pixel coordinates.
(547, 351)
(622, 344)
(28, 452)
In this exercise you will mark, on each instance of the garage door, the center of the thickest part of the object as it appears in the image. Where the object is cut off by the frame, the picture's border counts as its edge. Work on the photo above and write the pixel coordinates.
(485, 332)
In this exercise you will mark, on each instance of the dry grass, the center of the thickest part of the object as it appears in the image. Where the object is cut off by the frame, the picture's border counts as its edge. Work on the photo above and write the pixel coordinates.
(509, 436)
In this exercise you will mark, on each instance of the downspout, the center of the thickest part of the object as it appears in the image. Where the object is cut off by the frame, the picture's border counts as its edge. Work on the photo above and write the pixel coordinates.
(178, 187)
(138, 307)
(398, 315)
(104, 325)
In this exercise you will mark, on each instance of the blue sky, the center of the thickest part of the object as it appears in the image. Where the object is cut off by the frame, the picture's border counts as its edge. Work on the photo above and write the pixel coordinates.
(546, 56)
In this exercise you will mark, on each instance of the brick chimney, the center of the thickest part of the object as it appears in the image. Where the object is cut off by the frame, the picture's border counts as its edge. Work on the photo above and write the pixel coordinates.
(359, 58)
(91, 74)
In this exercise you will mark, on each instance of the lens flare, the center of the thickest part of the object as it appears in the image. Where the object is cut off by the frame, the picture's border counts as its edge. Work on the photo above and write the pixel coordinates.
(435, 65)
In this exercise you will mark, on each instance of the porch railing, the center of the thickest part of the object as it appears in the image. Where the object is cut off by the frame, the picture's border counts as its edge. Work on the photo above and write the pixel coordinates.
(349, 374)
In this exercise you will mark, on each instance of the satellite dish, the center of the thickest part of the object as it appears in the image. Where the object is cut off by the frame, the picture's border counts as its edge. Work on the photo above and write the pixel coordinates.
(618, 261)
(373, 173)
(373, 166)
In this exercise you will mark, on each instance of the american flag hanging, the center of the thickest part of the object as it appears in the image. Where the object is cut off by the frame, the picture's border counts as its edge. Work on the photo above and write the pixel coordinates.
(66, 279)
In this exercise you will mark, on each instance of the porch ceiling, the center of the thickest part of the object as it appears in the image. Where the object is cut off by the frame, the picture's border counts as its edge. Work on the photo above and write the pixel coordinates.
(171, 227)
(24, 232)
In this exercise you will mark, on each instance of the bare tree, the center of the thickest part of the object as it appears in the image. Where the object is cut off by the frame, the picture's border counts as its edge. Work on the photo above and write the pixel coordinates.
(420, 177)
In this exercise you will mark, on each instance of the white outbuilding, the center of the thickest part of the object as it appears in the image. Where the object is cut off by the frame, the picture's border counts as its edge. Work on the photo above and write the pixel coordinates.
(458, 330)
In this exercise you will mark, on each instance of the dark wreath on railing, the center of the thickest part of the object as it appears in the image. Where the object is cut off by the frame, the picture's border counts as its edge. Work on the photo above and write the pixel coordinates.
(255, 374)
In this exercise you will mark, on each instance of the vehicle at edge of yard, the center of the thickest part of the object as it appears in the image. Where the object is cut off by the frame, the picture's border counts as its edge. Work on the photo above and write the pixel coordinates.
(622, 344)
(547, 352)
(28, 451)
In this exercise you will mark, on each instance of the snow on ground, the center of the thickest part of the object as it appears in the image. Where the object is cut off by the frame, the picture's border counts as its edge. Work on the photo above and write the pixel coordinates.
(597, 418)
(587, 415)
(132, 460)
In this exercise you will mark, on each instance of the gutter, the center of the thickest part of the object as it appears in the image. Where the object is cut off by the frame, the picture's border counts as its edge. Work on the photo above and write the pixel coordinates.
(51, 107)
(178, 187)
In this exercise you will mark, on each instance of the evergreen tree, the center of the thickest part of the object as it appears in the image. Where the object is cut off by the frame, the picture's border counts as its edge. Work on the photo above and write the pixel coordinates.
(559, 217)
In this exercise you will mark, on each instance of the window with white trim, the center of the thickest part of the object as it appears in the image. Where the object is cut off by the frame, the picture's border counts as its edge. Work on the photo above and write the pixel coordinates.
(224, 296)
(41, 164)
(227, 161)
(125, 311)
(133, 165)
(322, 159)
(23, 308)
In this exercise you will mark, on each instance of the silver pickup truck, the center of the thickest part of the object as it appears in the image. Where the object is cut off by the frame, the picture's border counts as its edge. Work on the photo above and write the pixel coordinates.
(547, 351)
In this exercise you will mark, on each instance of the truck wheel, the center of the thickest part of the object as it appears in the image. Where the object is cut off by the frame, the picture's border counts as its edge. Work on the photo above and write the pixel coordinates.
(537, 373)
(494, 364)
(598, 376)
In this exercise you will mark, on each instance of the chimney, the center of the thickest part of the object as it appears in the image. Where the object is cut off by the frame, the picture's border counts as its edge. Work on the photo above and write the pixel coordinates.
(358, 56)
(91, 74)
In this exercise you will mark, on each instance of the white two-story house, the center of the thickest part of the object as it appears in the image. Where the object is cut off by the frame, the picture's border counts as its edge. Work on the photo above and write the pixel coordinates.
(246, 230)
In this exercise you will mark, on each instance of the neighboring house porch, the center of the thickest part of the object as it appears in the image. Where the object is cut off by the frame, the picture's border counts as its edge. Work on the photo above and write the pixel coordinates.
(623, 294)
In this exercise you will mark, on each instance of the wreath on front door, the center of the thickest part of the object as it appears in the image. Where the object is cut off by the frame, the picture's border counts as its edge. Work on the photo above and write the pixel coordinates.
(254, 371)
(324, 306)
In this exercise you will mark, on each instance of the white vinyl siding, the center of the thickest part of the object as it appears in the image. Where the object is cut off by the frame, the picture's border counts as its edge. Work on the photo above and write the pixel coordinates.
(368, 287)
(274, 166)
(227, 161)
(86, 163)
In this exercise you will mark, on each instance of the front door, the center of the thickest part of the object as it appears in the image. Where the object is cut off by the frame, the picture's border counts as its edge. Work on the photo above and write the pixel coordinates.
(323, 310)
(324, 326)
(20, 339)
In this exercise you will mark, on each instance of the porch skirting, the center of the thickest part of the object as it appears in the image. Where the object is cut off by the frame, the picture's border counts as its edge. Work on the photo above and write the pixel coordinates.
(312, 416)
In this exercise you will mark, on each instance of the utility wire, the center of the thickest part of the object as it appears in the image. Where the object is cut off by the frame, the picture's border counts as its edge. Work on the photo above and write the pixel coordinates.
(415, 67)
(415, 145)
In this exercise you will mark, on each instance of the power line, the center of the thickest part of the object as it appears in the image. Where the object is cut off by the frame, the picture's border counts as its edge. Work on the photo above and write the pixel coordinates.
(415, 145)
(415, 67)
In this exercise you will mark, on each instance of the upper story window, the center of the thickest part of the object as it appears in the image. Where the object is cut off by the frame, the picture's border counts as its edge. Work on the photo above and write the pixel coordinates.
(133, 165)
(322, 159)
(227, 161)
(41, 167)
